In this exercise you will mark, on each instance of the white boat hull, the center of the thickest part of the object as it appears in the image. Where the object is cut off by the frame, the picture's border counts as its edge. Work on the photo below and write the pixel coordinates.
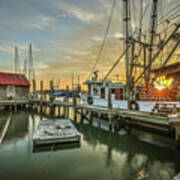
(144, 106)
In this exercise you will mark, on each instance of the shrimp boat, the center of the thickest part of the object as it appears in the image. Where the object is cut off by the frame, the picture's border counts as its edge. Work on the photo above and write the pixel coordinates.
(152, 80)
(163, 96)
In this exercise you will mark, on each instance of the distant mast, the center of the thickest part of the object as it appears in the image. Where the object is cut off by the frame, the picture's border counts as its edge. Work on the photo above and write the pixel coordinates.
(31, 65)
(25, 67)
(16, 61)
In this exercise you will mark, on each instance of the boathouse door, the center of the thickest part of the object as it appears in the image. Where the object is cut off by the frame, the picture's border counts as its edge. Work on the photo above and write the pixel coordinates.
(103, 95)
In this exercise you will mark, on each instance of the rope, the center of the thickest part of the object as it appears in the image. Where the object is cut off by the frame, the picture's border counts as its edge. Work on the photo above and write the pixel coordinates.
(105, 37)
(124, 52)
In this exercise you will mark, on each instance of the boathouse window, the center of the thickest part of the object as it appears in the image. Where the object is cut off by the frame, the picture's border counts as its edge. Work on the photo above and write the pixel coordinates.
(95, 92)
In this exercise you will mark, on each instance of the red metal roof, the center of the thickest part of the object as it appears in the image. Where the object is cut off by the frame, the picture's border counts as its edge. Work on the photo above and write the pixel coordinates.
(13, 79)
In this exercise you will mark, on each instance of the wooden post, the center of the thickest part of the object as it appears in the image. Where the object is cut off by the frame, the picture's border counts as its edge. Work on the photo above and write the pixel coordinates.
(67, 100)
(115, 124)
(91, 117)
(52, 108)
(34, 89)
(74, 105)
(45, 96)
(41, 98)
(51, 91)
(81, 110)
(177, 136)
(109, 98)
(99, 118)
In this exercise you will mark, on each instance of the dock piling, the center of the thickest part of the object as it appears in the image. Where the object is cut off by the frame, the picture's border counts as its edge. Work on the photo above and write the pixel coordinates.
(110, 121)
(74, 105)
(52, 107)
(41, 97)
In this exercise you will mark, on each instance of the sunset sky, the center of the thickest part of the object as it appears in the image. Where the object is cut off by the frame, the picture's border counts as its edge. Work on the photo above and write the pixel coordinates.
(65, 34)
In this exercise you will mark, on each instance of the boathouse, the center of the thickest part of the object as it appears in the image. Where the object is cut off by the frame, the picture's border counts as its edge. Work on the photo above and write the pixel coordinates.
(13, 86)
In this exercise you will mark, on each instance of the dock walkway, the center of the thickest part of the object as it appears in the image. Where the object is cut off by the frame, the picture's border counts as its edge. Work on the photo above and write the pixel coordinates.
(55, 131)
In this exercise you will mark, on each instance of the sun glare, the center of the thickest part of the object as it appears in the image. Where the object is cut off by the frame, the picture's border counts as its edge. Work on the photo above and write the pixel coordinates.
(162, 83)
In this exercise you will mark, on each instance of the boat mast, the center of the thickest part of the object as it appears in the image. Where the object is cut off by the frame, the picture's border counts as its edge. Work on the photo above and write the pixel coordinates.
(153, 32)
(126, 22)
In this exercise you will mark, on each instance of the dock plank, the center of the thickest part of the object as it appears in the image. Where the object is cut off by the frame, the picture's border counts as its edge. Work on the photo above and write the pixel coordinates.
(136, 115)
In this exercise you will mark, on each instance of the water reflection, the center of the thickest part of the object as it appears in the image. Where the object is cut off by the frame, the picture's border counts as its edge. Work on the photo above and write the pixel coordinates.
(55, 147)
(102, 155)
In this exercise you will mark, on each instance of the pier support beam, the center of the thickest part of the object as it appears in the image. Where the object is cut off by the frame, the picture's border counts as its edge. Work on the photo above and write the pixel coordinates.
(82, 118)
(74, 106)
(91, 117)
(110, 121)
(52, 107)
(15, 108)
(41, 98)
(99, 118)
(177, 139)
(67, 100)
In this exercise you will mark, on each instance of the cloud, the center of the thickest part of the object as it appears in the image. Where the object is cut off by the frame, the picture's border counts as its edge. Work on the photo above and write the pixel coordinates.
(43, 23)
(80, 52)
(97, 38)
(79, 13)
(9, 48)
(6, 49)
(40, 66)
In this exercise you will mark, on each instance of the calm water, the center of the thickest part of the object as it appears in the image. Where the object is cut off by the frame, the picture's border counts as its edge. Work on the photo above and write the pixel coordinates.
(101, 155)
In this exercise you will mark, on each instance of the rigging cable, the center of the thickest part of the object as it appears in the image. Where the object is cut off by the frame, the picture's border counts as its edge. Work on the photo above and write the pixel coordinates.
(115, 64)
(169, 12)
(105, 38)
(124, 52)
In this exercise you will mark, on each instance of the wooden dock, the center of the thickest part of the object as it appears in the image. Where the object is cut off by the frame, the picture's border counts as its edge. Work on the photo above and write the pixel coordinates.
(117, 118)
(55, 131)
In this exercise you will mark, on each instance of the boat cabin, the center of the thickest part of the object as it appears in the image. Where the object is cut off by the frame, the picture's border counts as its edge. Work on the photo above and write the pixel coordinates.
(98, 89)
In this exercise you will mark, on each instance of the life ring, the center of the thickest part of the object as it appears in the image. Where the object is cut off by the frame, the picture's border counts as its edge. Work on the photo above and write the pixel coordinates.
(90, 100)
(134, 106)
